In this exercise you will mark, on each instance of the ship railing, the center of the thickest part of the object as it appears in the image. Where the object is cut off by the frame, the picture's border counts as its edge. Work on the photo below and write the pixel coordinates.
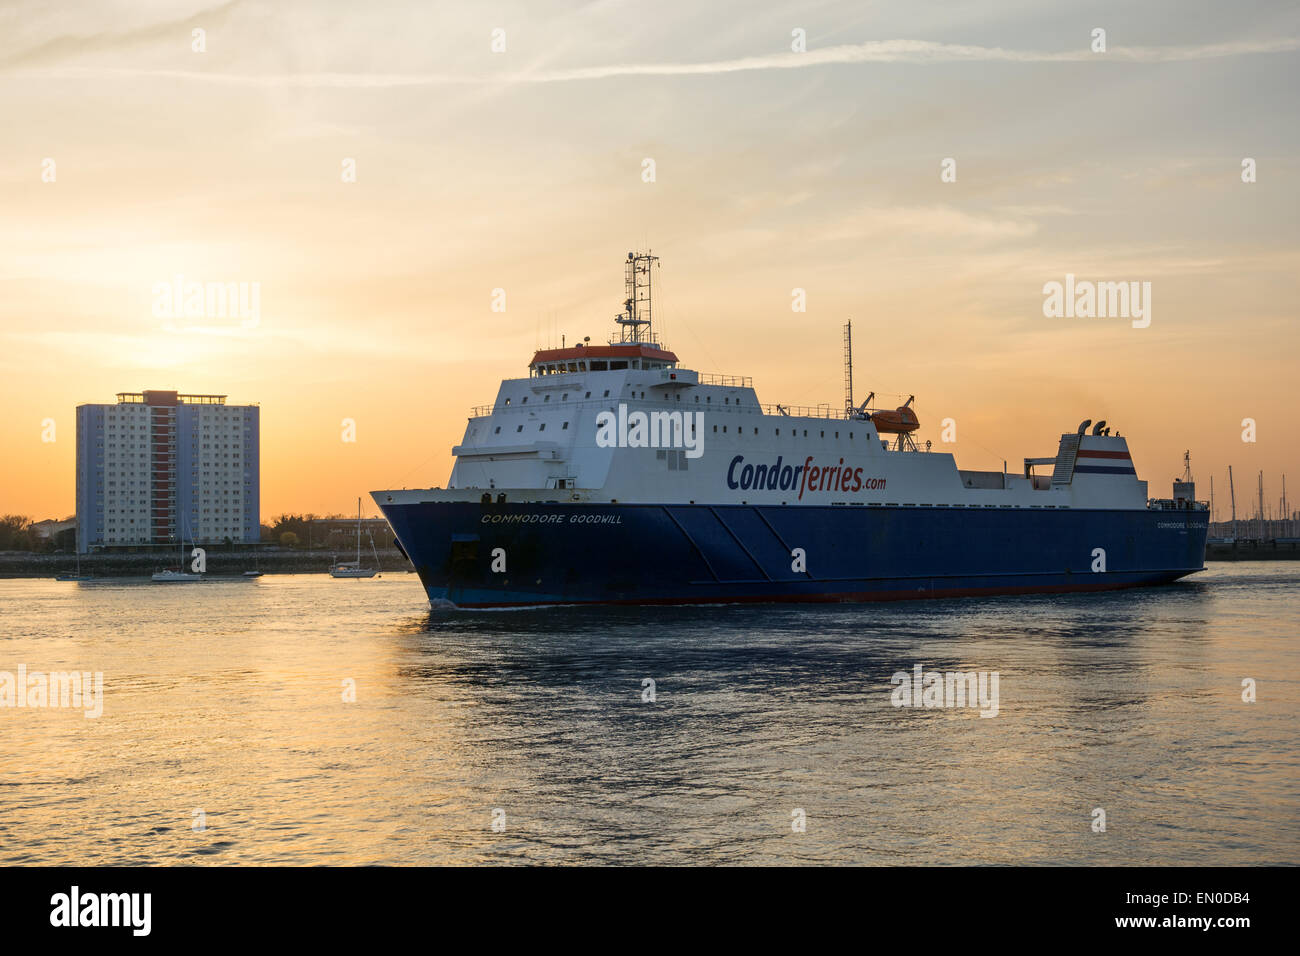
(734, 381)
(826, 411)
(803, 411)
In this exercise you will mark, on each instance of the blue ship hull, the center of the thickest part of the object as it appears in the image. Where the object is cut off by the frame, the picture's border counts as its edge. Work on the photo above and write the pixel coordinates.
(561, 553)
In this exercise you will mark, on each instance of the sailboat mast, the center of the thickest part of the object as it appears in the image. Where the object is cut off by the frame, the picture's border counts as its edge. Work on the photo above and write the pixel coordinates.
(358, 532)
(1232, 493)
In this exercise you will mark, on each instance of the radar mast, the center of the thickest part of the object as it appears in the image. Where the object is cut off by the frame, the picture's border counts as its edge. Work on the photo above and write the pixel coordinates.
(635, 323)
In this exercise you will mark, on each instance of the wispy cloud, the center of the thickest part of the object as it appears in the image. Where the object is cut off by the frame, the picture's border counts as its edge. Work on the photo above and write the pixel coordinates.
(874, 51)
(924, 222)
(115, 41)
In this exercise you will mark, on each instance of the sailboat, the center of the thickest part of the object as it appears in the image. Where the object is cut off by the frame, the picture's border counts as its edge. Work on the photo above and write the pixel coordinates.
(65, 576)
(180, 575)
(353, 569)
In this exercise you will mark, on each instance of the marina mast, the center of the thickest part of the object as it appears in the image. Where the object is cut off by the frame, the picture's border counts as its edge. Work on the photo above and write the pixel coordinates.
(1232, 492)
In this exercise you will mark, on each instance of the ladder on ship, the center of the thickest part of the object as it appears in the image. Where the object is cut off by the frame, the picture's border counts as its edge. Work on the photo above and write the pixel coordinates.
(1065, 458)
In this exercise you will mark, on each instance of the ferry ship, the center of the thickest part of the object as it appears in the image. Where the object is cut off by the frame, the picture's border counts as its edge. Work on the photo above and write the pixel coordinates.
(613, 474)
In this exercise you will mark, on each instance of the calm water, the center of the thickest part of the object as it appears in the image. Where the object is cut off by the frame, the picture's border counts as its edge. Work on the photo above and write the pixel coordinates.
(227, 698)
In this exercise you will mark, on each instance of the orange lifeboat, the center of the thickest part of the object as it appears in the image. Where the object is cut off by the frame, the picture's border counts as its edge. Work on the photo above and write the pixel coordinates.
(900, 420)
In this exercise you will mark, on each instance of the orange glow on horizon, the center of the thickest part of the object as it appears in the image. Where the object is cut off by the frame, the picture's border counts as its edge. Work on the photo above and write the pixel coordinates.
(231, 166)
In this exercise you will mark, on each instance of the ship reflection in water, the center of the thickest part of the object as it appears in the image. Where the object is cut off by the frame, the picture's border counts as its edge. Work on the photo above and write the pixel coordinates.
(227, 736)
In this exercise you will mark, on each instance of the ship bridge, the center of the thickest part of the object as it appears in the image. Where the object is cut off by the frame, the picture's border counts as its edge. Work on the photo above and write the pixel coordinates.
(601, 358)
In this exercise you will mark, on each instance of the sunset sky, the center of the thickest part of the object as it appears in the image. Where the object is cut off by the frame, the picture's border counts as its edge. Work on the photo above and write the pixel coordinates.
(774, 170)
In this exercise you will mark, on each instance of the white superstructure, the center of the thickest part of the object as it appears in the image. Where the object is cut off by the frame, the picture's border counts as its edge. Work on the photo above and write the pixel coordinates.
(624, 422)
(539, 442)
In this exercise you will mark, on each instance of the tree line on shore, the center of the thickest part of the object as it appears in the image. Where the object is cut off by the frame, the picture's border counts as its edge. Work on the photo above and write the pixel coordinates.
(316, 532)
(19, 533)
(323, 532)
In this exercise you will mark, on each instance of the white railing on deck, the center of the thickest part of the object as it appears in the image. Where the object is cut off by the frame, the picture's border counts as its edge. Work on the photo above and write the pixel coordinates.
(734, 381)
(831, 412)
(804, 411)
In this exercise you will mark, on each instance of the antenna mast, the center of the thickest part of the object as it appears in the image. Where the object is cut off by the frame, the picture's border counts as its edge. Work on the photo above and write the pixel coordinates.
(636, 277)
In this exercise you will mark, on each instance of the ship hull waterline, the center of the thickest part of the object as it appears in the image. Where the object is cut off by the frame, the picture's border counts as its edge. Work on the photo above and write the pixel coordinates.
(583, 553)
